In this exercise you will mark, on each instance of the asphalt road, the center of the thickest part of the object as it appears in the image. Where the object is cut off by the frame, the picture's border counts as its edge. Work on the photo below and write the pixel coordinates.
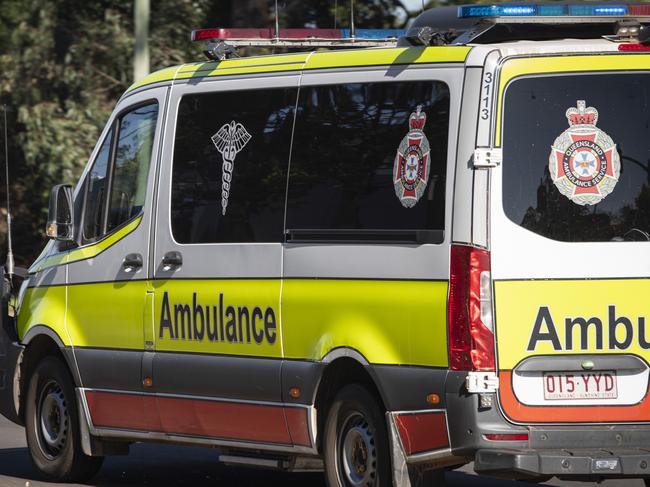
(165, 465)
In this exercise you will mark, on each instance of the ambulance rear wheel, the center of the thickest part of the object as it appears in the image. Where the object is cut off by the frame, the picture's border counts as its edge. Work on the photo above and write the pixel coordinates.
(355, 443)
(52, 425)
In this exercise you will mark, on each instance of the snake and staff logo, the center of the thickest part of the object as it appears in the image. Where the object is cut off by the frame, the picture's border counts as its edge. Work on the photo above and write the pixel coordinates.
(229, 140)
(412, 161)
(584, 163)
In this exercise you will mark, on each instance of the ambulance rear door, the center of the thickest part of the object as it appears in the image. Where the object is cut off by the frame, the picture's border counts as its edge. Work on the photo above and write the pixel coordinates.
(570, 238)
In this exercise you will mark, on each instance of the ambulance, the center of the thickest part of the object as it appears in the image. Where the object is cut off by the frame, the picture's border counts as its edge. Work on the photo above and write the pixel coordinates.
(379, 262)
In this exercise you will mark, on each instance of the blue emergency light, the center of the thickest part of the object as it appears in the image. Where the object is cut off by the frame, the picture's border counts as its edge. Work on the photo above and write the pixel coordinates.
(547, 10)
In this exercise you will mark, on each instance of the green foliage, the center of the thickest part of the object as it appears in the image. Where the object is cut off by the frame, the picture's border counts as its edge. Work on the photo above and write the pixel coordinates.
(64, 64)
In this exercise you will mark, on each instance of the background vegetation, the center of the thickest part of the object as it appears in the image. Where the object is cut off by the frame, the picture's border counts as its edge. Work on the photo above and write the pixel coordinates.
(64, 64)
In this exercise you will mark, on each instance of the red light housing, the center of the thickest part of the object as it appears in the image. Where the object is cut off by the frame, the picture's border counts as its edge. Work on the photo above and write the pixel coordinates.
(213, 34)
(507, 437)
(471, 339)
(633, 47)
(639, 9)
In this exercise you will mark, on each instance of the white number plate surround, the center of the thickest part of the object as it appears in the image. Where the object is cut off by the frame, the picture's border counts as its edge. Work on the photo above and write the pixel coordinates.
(631, 389)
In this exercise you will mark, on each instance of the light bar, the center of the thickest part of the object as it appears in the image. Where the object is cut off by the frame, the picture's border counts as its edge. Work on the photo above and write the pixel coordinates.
(582, 9)
(295, 34)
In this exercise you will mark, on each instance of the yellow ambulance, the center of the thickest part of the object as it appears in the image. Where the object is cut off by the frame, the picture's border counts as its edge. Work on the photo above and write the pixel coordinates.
(380, 262)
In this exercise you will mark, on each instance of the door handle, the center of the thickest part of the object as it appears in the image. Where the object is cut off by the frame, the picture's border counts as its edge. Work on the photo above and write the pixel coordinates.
(172, 259)
(132, 262)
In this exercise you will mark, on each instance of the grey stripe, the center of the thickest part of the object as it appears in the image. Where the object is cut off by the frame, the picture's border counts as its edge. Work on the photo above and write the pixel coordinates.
(406, 388)
(110, 369)
(245, 378)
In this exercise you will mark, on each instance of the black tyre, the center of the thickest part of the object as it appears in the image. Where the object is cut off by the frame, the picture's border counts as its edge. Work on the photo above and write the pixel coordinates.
(52, 425)
(355, 443)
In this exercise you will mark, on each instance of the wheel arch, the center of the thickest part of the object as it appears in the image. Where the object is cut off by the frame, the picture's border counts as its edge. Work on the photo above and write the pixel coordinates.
(342, 366)
(41, 341)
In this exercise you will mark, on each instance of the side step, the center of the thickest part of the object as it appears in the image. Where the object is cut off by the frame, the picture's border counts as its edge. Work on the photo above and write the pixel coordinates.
(249, 461)
(292, 464)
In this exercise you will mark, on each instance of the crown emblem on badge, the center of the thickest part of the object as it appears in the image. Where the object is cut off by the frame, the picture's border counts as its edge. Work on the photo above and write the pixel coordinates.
(412, 161)
(584, 163)
(582, 115)
(417, 119)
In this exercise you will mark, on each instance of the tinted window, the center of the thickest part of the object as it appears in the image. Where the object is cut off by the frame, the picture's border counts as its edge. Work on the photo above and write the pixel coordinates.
(131, 167)
(230, 160)
(360, 163)
(584, 179)
(96, 188)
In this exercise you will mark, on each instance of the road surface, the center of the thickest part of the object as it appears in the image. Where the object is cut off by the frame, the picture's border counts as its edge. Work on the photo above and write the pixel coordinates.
(175, 466)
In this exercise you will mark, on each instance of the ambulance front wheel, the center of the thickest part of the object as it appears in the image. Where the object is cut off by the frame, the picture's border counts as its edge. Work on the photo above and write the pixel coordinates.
(355, 443)
(52, 425)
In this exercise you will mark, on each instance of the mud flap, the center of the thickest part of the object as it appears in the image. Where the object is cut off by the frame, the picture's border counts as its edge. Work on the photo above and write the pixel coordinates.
(400, 467)
(10, 356)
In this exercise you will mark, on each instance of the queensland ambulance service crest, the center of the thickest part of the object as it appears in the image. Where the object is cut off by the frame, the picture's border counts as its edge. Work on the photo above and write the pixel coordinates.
(584, 163)
(412, 162)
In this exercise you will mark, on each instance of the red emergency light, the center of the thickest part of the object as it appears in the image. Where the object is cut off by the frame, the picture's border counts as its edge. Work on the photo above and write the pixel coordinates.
(227, 33)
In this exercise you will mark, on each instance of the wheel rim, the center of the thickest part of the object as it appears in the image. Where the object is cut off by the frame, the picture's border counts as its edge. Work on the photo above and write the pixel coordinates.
(357, 452)
(52, 420)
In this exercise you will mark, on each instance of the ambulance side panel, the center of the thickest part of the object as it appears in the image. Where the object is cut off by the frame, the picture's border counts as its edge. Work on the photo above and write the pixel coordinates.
(217, 319)
(383, 302)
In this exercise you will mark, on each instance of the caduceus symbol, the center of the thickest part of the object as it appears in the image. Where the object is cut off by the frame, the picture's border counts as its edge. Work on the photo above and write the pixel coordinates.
(229, 140)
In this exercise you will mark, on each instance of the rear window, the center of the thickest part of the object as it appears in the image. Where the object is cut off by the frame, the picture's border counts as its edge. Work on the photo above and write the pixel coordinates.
(576, 156)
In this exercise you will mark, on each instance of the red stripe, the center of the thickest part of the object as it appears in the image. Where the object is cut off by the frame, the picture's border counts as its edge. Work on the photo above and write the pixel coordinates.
(248, 422)
(298, 426)
(422, 431)
(124, 411)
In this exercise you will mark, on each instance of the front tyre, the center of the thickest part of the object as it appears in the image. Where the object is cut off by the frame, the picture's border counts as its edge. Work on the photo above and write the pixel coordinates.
(355, 444)
(52, 425)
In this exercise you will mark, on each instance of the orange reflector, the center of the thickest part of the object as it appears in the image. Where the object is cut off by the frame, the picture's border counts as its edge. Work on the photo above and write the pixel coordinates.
(147, 381)
(433, 399)
(294, 392)
(511, 437)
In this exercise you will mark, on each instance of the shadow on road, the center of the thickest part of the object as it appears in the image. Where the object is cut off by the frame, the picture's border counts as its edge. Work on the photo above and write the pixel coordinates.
(159, 465)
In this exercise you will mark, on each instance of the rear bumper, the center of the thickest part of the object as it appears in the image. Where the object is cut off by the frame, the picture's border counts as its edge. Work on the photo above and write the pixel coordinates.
(570, 463)
(579, 452)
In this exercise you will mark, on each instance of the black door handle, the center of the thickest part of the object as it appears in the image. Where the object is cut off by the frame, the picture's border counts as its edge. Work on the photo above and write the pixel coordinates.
(132, 262)
(172, 259)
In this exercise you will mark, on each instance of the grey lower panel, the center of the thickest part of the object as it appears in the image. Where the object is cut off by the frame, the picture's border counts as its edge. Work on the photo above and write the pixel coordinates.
(243, 378)
(304, 375)
(468, 422)
(110, 369)
(405, 388)
(564, 463)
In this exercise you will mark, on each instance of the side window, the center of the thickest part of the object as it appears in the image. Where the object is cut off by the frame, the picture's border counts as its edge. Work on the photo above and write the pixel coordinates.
(96, 189)
(369, 162)
(131, 166)
(116, 185)
(230, 166)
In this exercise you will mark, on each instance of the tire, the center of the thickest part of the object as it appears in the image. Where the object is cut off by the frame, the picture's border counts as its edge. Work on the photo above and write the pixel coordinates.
(52, 425)
(355, 443)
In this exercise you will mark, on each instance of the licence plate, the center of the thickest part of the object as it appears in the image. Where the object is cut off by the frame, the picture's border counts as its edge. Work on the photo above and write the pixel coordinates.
(580, 385)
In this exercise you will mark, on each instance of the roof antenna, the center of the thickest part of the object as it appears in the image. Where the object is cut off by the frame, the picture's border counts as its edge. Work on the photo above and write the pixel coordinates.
(10, 254)
(336, 10)
(423, 5)
(277, 22)
(352, 19)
